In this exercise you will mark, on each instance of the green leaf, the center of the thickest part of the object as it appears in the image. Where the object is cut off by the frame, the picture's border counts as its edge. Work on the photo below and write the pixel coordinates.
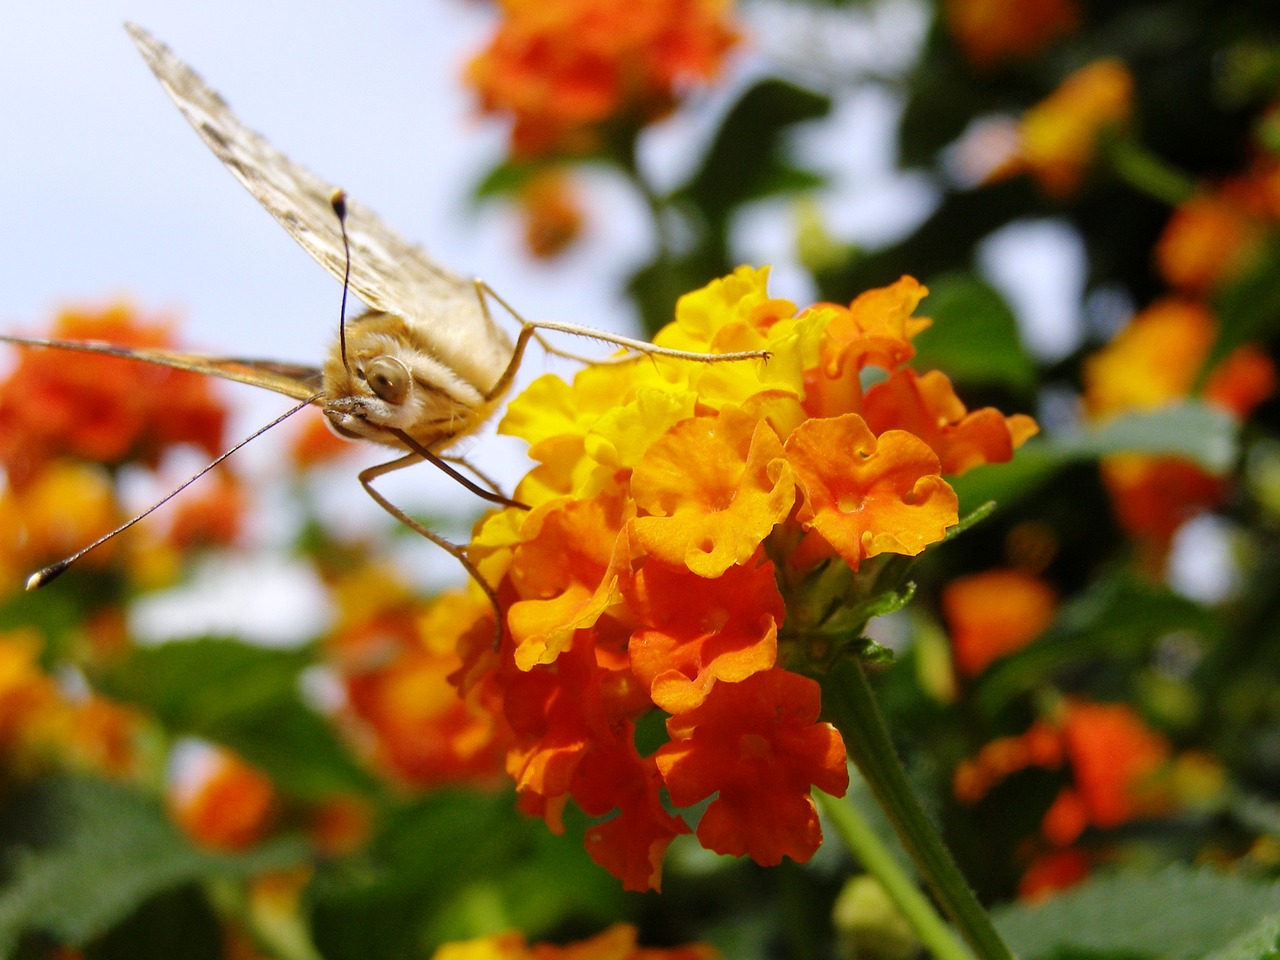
(247, 698)
(1260, 943)
(746, 161)
(1202, 434)
(974, 336)
(83, 855)
(452, 866)
(1177, 914)
(1248, 309)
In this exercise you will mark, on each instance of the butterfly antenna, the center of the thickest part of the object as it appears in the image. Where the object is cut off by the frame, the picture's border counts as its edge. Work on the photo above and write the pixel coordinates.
(54, 570)
(339, 203)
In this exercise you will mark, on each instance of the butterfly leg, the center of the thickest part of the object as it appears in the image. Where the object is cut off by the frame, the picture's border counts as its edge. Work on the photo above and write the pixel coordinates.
(368, 475)
(530, 328)
(439, 462)
(484, 478)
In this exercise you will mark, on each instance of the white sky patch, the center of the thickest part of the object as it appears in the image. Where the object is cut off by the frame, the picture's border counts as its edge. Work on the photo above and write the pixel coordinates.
(1039, 265)
(268, 600)
(1202, 562)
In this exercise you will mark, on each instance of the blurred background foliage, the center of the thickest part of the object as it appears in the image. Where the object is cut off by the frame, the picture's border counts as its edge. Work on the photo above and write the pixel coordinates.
(1084, 689)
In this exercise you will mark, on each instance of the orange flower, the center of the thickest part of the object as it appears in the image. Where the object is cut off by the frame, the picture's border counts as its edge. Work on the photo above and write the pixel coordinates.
(226, 804)
(927, 406)
(757, 746)
(993, 614)
(1060, 136)
(993, 32)
(60, 509)
(313, 441)
(1114, 757)
(102, 408)
(1052, 871)
(696, 631)
(1152, 362)
(552, 214)
(712, 488)
(565, 70)
(211, 514)
(867, 495)
(1212, 237)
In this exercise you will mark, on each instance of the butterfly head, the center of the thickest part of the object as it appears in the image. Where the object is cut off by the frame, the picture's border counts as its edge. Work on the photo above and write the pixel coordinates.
(391, 384)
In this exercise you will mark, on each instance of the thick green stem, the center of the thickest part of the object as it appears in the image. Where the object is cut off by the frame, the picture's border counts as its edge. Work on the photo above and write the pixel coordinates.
(851, 705)
(878, 861)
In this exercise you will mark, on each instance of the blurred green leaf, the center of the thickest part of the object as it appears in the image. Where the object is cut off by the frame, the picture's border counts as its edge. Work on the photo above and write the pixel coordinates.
(974, 337)
(1262, 942)
(1248, 309)
(247, 698)
(747, 158)
(454, 866)
(1202, 434)
(81, 856)
(1177, 914)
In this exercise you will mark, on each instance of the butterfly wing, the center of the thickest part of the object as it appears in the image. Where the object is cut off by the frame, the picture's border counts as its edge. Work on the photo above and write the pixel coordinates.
(293, 380)
(388, 273)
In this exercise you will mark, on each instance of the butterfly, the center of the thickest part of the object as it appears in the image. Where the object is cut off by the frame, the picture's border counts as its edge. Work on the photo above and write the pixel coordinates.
(426, 364)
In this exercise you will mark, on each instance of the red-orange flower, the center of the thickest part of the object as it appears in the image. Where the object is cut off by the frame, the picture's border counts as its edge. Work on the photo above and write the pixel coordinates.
(566, 69)
(992, 32)
(758, 747)
(696, 631)
(228, 804)
(102, 408)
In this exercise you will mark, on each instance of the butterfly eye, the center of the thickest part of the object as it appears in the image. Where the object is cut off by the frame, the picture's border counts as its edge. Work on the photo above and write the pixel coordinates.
(388, 378)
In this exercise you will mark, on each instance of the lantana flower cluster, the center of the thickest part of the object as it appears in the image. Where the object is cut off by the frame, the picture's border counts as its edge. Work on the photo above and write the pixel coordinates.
(679, 514)
(1154, 361)
(565, 70)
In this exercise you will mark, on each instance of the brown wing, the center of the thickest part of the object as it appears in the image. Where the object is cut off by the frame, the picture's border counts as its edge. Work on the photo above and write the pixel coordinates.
(293, 380)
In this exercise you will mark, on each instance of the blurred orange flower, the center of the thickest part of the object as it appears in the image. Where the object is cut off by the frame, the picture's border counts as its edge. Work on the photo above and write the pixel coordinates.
(101, 408)
(225, 803)
(1113, 760)
(616, 943)
(395, 666)
(1212, 237)
(568, 69)
(552, 214)
(993, 614)
(1059, 137)
(1154, 361)
(994, 32)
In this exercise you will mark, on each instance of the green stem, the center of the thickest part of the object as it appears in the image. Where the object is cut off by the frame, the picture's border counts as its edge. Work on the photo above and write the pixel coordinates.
(1146, 172)
(851, 705)
(878, 861)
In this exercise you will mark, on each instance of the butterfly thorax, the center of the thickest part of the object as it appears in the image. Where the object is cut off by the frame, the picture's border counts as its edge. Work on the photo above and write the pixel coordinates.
(395, 380)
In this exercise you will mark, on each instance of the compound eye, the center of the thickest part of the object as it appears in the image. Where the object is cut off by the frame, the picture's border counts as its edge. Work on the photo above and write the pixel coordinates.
(388, 378)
